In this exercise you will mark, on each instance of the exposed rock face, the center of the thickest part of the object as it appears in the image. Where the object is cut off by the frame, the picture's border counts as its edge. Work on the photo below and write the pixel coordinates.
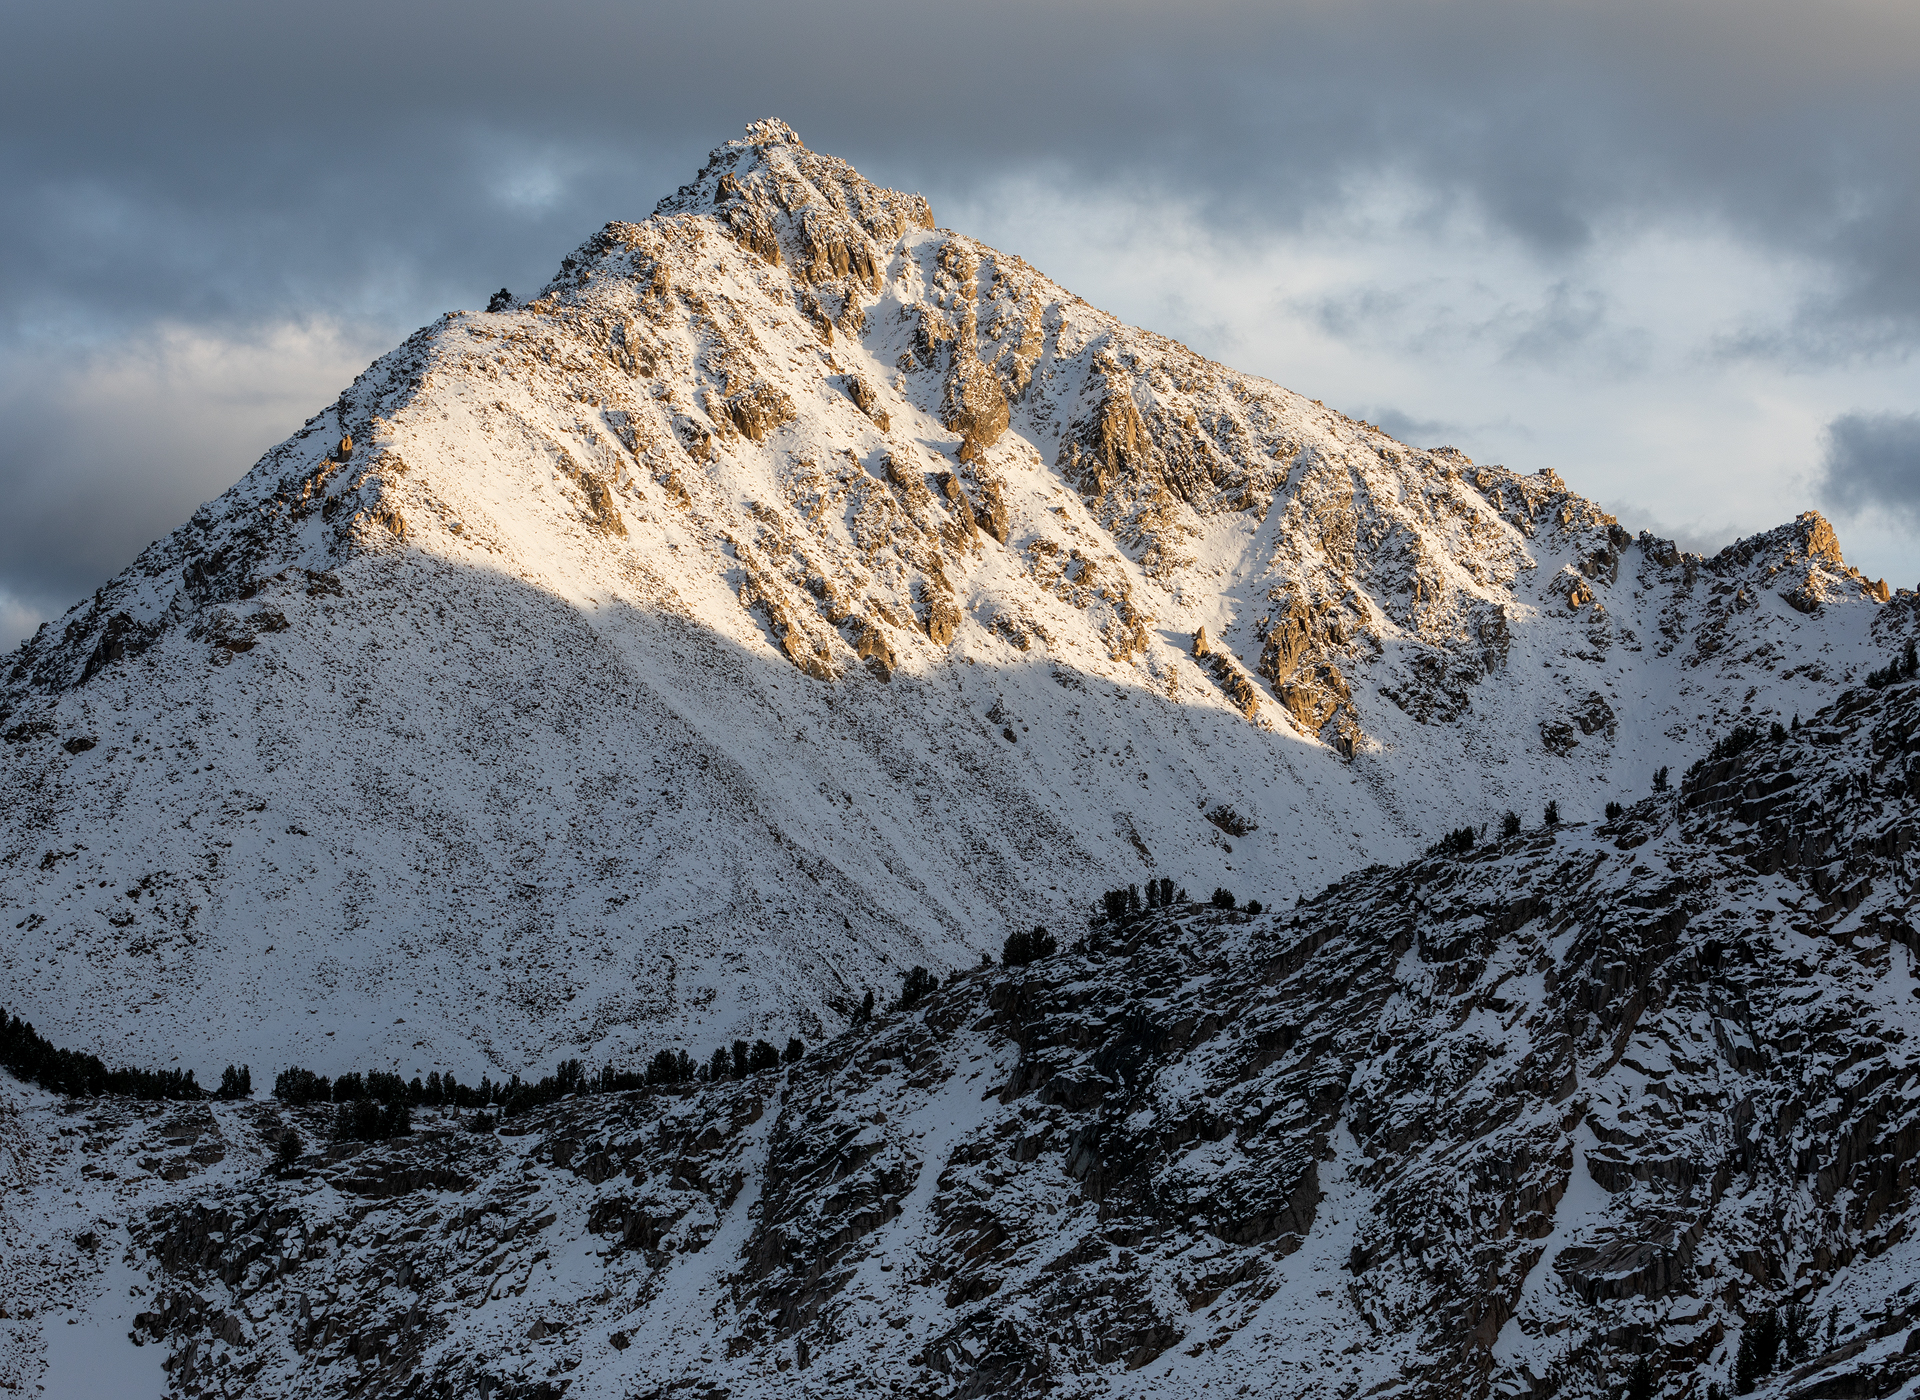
(1476, 1125)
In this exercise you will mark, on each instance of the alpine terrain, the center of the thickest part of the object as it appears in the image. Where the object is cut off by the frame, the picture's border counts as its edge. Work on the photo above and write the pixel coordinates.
(1251, 907)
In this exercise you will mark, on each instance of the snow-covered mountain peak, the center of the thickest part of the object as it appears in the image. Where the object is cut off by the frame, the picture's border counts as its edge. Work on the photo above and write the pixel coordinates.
(790, 593)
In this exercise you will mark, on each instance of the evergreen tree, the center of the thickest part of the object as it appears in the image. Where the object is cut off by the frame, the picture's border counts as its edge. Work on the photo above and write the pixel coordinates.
(501, 300)
(287, 1151)
(235, 1083)
(1615, 811)
(1641, 1384)
(1766, 1341)
(1023, 948)
(1133, 899)
(865, 1014)
(720, 1067)
(1223, 898)
(1553, 813)
(1510, 825)
(1796, 1332)
(742, 1059)
(762, 1056)
(1660, 774)
(918, 985)
(795, 1050)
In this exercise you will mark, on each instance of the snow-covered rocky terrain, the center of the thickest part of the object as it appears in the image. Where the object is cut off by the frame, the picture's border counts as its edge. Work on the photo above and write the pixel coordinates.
(795, 592)
(1510, 1121)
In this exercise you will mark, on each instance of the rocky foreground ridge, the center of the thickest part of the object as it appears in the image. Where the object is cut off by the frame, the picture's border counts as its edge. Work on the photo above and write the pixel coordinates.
(791, 593)
(1511, 1120)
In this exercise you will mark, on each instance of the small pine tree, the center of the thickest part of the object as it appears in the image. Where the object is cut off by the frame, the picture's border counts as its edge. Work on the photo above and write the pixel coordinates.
(1910, 660)
(1796, 1332)
(1553, 814)
(865, 1014)
(1223, 899)
(1115, 903)
(1641, 1384)
(235, 1083)
(742, 1056)
(1254, 906)
(1023, 948)
(287, 1151)
(795, 1050)
(1133, 899)
(1660, 774)
(720, 1067)
(1766, 1342)
(1017, 951)
(1778, 732)
(1510, 825)
(501, 300)
(1166, 892)
(762, 1056)
(916, 987)
(1615, 811)
(1746, 1370)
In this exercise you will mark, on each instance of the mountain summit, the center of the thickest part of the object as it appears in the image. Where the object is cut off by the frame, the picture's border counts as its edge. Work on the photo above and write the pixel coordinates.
(795, 592)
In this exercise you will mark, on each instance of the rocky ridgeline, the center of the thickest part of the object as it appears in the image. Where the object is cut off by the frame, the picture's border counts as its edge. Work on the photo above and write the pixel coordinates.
(1501, 1122)
(659, 346)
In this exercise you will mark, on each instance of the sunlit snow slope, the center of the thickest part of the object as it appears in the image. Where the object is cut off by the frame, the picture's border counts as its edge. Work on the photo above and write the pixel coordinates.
(792, 593)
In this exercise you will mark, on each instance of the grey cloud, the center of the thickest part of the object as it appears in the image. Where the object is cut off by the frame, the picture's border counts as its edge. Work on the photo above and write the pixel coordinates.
(1694, 538)
(1873, 463)
(1571, 321)
(1415, 432)
(276, 151)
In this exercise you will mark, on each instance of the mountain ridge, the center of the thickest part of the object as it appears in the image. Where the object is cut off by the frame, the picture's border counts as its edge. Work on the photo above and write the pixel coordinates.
(865, 596)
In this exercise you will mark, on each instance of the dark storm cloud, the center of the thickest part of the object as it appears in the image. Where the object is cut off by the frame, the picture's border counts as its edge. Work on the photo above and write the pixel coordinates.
(1873, 463)
(205, 158)
(228, 166)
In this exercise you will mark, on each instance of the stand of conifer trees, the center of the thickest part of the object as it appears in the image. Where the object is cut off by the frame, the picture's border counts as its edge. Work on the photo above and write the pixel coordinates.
(30, 1056)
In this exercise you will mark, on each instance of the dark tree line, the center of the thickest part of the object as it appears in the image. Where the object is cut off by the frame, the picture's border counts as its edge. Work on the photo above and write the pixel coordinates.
(32, 1057)
(1901, 669)
(1160, 894)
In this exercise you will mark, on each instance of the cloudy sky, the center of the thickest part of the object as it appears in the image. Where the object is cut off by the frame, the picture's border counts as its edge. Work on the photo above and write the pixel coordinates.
(1667, 249)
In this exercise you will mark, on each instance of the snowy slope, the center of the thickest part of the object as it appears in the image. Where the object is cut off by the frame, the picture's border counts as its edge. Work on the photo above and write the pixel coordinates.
(792, 593)
(1498, 1123)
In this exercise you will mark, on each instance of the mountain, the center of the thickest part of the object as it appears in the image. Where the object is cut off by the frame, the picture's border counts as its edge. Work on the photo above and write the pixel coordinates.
(792, 593)
(1586, 1110)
